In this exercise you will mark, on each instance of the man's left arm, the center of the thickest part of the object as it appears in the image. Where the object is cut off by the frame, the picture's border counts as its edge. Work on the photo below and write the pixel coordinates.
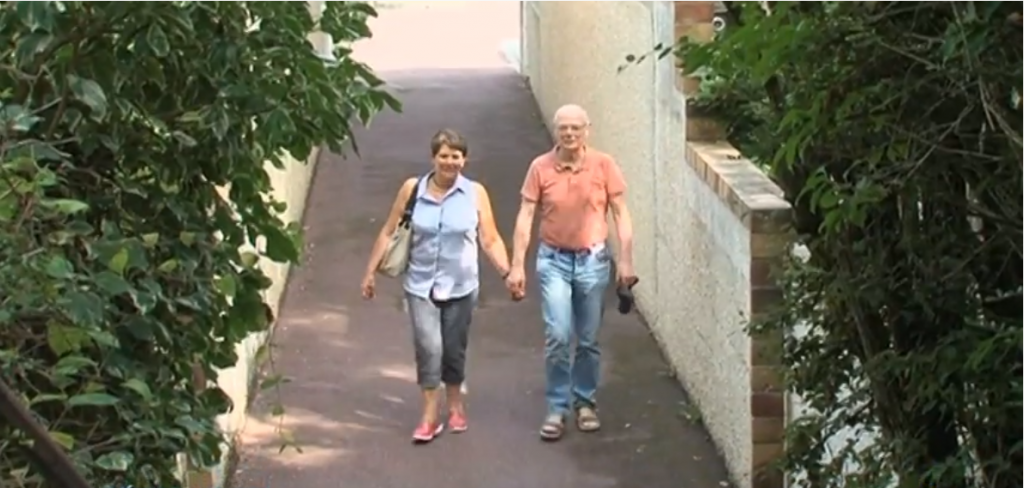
(624, 229)
(616, 186)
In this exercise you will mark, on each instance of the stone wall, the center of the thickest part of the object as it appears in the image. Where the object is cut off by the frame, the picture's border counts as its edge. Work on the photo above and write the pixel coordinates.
(709, 225)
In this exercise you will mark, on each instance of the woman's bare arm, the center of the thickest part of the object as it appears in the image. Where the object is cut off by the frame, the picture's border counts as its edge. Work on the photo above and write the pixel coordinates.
(397, 209)
(490, 239)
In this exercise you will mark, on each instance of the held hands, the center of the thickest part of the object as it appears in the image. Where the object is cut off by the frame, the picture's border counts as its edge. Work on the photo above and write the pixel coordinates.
(515, 281)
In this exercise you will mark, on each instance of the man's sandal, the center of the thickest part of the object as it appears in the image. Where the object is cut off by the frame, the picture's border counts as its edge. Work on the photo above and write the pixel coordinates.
(553, 428)
(586, 420)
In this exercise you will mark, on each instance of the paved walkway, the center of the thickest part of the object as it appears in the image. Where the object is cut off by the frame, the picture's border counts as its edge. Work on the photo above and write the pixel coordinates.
(353, 402)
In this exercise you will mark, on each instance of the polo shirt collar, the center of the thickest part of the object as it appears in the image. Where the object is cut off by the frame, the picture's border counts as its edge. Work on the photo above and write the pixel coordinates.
(561, 166)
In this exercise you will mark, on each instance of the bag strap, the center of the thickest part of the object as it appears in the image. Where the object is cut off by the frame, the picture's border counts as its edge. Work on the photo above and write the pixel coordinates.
(410, 204)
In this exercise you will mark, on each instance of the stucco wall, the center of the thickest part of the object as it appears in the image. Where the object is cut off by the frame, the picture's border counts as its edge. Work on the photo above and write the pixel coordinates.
(291, 186)
(706, 220)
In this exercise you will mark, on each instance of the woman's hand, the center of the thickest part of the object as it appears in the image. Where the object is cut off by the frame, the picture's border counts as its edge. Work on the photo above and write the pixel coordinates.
(369, 286)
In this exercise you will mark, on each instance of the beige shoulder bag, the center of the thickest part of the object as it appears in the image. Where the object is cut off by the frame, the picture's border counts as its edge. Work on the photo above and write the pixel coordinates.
(396, 255)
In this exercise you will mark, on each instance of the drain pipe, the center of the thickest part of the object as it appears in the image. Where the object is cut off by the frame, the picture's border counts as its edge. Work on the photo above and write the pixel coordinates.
(663, 32)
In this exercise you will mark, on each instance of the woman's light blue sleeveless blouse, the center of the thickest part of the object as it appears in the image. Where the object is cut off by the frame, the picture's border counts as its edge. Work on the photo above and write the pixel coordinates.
(443, 257)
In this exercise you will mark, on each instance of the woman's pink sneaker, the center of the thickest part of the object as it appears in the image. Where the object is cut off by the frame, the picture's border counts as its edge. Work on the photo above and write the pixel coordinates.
(427, 432)
(457, 422)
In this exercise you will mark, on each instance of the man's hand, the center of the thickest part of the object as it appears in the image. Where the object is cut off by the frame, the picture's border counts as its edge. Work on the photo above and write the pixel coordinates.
(516, 283)
(516, 279)
(624, 273)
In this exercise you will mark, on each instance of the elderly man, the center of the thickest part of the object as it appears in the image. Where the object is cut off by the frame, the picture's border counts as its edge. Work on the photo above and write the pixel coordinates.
(574, 185)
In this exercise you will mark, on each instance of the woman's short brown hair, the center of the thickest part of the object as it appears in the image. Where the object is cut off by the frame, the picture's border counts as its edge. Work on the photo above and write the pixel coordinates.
(450, 138)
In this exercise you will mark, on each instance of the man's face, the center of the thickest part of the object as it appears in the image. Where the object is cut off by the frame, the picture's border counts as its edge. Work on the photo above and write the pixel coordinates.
(571, 131)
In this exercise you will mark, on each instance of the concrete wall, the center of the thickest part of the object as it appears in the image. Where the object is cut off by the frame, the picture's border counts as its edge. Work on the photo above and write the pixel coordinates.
(708, 224)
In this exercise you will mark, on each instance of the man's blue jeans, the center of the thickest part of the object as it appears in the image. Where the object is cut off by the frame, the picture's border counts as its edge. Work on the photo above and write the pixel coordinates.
(572, 286)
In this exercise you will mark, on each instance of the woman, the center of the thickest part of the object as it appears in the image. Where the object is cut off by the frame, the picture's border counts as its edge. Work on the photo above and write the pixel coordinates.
(452, 216)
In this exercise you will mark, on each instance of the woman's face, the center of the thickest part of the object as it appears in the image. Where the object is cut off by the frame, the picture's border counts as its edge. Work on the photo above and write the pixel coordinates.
(449, 162)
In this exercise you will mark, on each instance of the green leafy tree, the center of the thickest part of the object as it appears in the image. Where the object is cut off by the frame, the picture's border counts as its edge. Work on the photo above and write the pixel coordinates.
(894, 129)
(134, 139)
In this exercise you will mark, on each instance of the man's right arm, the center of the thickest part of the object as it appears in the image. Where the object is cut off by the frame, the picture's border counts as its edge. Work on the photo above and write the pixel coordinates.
(531, 194)
(521, 237)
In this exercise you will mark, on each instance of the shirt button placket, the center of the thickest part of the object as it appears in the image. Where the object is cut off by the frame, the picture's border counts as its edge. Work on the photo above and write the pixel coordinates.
(438, 243)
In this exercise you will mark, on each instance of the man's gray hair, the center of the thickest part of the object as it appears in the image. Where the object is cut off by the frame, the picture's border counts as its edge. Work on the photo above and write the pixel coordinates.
(571, 110)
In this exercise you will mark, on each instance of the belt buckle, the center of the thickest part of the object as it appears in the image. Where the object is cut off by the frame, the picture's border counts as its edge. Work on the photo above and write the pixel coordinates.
(567, 250)
(586, 251)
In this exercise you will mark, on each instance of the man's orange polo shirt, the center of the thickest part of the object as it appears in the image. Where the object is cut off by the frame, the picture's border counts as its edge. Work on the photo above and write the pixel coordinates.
(573, 200)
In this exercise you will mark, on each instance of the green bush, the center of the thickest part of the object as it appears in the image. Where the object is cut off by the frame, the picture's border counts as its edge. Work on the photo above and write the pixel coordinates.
(132, 172)
(894, 129)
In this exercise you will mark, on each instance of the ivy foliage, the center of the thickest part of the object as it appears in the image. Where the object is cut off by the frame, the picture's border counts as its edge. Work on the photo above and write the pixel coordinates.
(894, 129)
(135, 211)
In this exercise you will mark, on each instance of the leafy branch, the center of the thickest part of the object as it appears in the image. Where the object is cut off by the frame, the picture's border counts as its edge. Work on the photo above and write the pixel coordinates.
(134, 144)
(894, 129)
